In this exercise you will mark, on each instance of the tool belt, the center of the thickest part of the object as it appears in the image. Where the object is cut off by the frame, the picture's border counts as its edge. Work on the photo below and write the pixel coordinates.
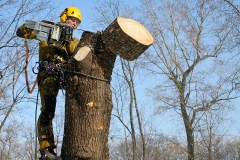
(52, 68)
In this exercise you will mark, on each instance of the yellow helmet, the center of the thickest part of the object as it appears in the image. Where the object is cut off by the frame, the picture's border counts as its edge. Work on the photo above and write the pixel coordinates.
(70, 12)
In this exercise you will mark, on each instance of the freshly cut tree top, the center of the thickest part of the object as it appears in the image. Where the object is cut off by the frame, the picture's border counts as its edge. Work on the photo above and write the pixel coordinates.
(135, 30)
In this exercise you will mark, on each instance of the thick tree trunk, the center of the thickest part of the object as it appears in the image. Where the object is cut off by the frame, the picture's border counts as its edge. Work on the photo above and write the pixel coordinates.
(88, 104)
(88, 95)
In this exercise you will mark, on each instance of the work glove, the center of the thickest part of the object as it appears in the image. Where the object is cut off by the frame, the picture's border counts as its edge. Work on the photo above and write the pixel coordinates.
(24, 32)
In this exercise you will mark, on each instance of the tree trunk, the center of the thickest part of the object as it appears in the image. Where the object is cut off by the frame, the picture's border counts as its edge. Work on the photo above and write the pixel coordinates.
(88, 104)
(189, 132)
(88, 96)
(190, 141)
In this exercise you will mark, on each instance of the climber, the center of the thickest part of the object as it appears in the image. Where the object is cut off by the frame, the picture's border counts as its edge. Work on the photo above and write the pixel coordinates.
(51, 55)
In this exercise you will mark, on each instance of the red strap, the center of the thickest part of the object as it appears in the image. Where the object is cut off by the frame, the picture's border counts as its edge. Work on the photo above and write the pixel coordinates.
(25, 67)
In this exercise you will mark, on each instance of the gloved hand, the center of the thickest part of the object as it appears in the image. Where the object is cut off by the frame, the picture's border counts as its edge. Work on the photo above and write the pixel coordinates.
(24, 32)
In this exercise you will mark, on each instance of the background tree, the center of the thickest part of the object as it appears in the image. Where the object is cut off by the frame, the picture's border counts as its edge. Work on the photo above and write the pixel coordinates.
(190, 48)
(125, 98)
(14, 99)
(12, 56)
(208, 137)
(232, 10)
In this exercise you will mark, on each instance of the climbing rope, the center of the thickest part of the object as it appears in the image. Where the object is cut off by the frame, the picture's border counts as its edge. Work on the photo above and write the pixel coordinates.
(87, 75)
(26, 69)
(36, 127)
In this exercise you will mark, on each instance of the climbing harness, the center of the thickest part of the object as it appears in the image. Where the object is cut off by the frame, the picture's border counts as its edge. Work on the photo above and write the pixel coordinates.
(50, 68)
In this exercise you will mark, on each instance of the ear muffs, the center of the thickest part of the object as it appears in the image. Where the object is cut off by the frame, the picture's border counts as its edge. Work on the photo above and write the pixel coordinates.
(63, 16)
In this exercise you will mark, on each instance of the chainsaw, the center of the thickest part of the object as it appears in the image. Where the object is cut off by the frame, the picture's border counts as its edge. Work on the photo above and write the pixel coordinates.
(50, 31)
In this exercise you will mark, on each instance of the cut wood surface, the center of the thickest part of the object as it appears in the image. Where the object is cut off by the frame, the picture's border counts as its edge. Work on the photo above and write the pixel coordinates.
(127, 38)
(82, 53)
(84, 58)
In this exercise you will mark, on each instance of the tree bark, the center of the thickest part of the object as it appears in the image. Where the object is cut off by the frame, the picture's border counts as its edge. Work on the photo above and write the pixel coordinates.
(88, 104)
(88, 95)
(127, 38)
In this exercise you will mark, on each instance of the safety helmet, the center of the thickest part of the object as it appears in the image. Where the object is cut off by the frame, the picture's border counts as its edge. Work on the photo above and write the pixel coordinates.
(70, 12)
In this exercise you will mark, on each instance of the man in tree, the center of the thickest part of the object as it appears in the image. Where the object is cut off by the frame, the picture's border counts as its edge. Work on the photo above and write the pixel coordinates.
(51, 55)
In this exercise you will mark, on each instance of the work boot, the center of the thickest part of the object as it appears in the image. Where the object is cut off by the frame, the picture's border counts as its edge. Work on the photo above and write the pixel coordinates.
(48, 154)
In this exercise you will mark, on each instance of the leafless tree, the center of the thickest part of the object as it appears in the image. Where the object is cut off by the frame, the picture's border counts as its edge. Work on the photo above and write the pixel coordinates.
(126, 108)
(158, 147)
(210, 135)
(231, 149)
(12, 55)
(9, 140)
(28, 144)
(189, 38)
(231, 8)
(104, 17)
(128, 72)
(13, 92)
